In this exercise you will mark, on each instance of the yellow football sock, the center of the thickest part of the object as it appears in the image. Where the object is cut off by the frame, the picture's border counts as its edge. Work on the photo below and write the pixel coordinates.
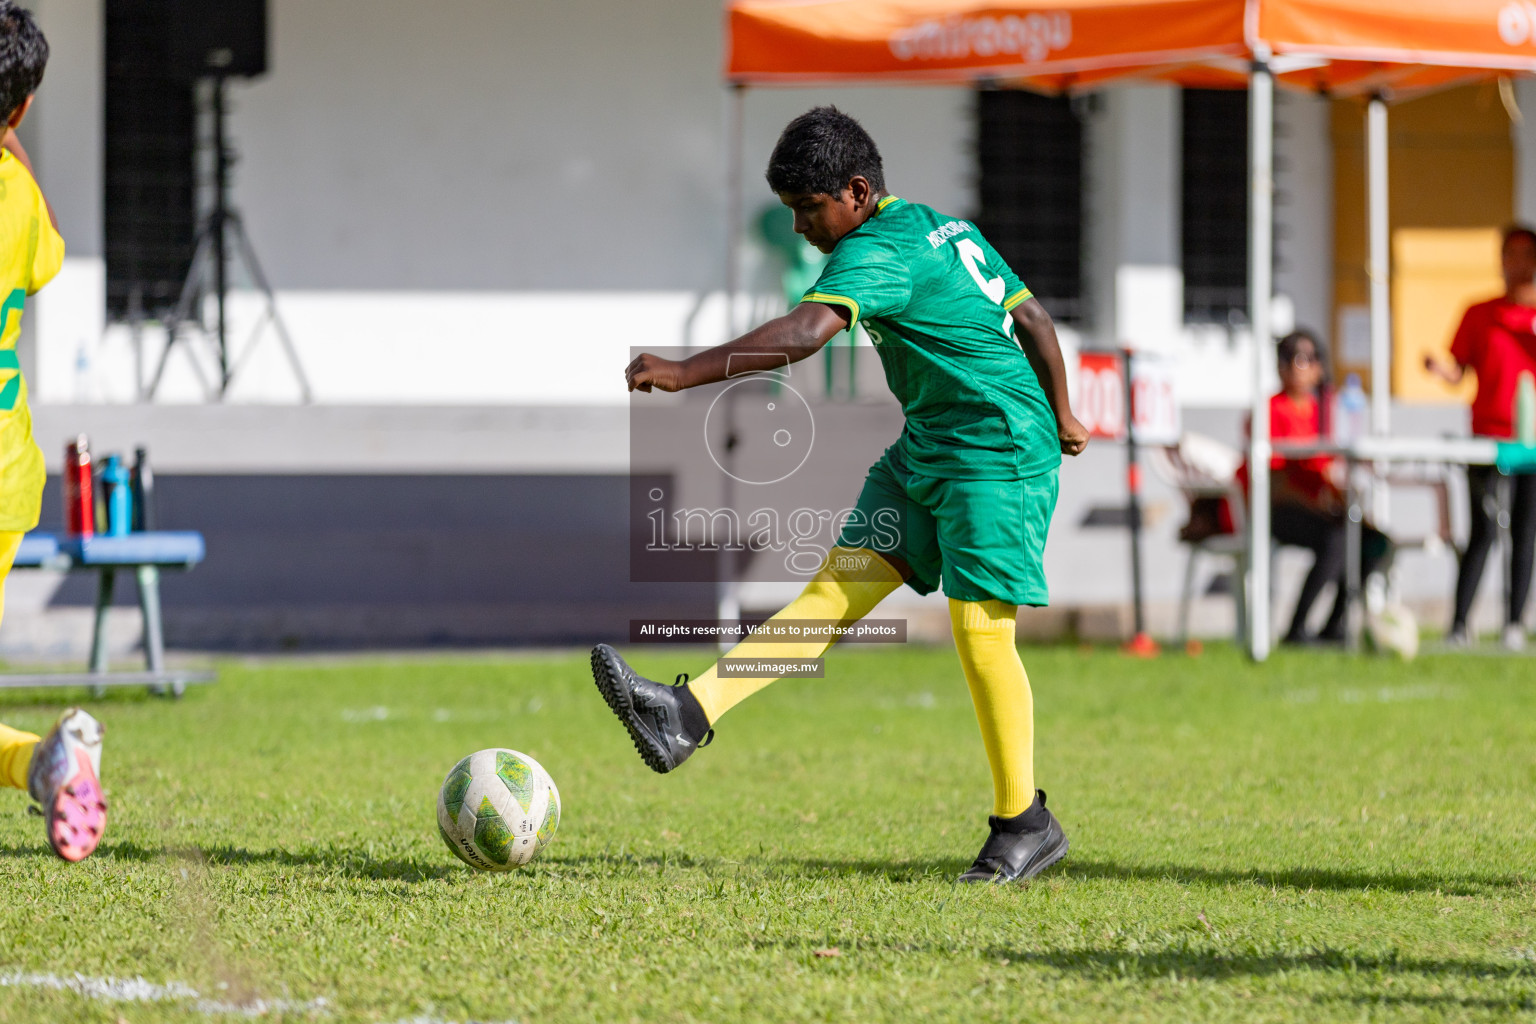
(10, 541)
(15, 755)
(1000, 690)
(15, 745)
(847, 588)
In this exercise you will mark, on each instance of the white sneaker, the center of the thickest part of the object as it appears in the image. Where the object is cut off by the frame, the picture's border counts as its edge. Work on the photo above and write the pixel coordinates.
(1514, 637)
(64, 778)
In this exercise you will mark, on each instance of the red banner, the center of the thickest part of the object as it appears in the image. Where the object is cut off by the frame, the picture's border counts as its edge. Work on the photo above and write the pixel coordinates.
(1100, 399)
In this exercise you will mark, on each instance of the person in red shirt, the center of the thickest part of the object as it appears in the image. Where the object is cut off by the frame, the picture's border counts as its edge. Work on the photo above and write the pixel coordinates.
(1496, 341)
(1307, 506)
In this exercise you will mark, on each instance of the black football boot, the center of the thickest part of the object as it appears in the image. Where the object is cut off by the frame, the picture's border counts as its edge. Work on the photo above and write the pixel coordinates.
(666, 722)
(1020, 847)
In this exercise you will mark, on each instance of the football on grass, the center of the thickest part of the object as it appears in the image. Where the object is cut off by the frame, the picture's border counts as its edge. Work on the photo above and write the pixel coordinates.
(497, 809)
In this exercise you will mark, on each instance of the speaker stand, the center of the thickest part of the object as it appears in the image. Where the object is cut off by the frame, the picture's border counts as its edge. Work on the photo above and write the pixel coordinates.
(223, 227)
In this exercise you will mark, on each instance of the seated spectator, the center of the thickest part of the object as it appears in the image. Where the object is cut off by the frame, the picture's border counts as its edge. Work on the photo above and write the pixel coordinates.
(1307, 504)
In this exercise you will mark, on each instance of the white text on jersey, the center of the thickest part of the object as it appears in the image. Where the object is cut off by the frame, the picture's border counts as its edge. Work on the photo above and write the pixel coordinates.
(939, 235)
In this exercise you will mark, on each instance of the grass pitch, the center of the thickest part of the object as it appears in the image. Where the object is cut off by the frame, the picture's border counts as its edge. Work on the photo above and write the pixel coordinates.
(1323, 838)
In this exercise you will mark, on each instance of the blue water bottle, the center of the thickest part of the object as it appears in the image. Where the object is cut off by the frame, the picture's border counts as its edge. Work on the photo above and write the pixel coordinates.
(1351, 412)
(114, 476)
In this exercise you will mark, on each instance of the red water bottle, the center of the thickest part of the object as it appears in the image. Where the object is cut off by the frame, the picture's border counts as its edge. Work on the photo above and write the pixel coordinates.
(79, 499)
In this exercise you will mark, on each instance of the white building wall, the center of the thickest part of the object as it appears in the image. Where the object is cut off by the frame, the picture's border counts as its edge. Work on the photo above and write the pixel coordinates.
(63, 136)
(1134, 275)
(1133, 206)
(492, 204)
(1304, 211)
(1134, 248)
(505, 197)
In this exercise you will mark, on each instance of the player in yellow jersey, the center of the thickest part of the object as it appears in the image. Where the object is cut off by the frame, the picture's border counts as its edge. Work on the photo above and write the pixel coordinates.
(62, 771)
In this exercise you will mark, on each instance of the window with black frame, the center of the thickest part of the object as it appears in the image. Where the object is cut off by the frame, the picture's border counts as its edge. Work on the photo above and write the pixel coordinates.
(151, 131)
(1030, 187)
(1215, 206)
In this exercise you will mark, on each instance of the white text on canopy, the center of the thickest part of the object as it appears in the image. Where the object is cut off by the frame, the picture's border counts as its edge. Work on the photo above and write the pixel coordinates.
(1031, 37)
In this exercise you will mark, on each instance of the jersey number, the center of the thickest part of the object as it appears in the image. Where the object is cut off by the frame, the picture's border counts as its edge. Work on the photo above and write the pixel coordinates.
(10, 391)
(992, 287)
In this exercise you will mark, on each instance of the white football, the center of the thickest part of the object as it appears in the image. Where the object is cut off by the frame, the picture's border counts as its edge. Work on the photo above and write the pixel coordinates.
(497, 809)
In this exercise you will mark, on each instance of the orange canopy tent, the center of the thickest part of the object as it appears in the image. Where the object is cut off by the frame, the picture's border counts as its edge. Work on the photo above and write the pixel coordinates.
(1342, 46)
(1376, 48)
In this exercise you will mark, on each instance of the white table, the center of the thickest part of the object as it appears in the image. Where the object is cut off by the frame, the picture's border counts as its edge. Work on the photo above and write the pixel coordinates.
(1381, 452)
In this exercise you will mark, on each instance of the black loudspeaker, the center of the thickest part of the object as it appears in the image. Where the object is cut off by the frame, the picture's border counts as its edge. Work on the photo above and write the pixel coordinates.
(217, 38)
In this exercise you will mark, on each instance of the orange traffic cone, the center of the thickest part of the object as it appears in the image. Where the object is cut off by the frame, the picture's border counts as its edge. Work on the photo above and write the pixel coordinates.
(1142, 646)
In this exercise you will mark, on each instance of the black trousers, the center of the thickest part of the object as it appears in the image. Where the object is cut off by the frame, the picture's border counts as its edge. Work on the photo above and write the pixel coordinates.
(1522, 528)
(1323, 534)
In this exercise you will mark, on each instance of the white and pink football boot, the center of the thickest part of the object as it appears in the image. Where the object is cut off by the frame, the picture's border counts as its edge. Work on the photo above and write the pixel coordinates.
(65, 778)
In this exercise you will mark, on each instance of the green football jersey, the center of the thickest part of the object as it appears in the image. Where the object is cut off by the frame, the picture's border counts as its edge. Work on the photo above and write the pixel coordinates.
(935, 299)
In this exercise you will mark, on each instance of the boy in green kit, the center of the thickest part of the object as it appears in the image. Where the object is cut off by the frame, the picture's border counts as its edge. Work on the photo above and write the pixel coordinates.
(971, 482)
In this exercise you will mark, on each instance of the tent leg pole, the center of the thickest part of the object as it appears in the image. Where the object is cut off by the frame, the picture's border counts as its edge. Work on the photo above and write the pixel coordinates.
(1261, 147)
(734, 202)
(1381, 327)
(1379, 229)
(727, 591)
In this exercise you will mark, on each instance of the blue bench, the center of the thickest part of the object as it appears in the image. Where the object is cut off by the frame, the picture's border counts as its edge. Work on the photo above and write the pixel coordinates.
(146, 554)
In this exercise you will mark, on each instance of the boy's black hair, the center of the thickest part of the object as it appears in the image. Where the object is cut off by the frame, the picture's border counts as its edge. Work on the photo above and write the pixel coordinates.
(1515, 231)
(23, 55)
(821, 151)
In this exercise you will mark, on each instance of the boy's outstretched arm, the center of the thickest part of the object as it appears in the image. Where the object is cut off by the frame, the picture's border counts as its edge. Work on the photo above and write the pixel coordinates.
(787, 339)
(1038, 339)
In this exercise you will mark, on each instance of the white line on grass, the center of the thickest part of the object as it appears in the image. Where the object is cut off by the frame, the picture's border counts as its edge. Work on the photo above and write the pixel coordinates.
(137, 990)
(115, 990)
(1376, 695)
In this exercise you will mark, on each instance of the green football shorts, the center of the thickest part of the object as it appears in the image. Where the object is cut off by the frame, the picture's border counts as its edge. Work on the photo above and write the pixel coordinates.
(983, 539)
